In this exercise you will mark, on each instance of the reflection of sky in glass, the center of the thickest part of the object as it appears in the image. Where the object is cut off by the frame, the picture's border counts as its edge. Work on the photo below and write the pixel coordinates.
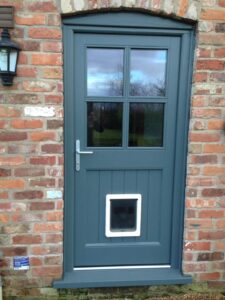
(147, 74)
(104, 72)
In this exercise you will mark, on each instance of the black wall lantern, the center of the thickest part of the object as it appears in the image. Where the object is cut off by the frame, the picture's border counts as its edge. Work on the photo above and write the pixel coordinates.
(9, 52)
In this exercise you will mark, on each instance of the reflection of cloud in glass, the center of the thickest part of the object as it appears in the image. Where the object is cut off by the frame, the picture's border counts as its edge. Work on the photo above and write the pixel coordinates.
(147, 75)
(104, 72)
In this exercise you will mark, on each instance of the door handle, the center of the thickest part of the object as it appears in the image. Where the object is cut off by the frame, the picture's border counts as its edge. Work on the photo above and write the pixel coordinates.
(78, 153)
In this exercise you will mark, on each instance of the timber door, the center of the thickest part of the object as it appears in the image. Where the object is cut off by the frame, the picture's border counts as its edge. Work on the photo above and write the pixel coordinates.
(125, 129)
(125, 136)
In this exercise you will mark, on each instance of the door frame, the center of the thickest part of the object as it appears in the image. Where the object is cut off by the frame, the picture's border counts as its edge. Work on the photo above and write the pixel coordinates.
(148, 25)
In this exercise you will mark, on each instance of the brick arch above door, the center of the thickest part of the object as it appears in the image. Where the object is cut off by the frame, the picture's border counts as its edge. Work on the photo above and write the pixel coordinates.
(185, 9)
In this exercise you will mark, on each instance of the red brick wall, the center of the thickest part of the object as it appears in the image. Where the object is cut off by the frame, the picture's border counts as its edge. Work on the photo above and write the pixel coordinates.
(31, 148)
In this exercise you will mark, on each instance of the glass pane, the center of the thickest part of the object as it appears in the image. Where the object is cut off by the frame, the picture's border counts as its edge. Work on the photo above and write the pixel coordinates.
(13, 58)
(147, 72)
(123, 215)
(146, 125)
(104, 124)
(3, 60)
(104, 72)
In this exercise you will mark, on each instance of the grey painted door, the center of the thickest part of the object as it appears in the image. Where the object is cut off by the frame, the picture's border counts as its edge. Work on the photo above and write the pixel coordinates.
(125, 103)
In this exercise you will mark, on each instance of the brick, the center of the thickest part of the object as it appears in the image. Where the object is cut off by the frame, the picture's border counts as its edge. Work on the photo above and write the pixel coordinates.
(46, 250)
(200, 77)
(214, 148)
(19, 207)
(195, 267)
(52, 73)
(199, 125)
(43, 182)
(52, 46)
(204, 137)
(52, 148)
(28, 217)
(40, 6)
(54, 20)
(16, 228)
(23, 58)
(217, 101)
(210, 65)
(9, 112)
(55, 216)
(220, 224)
(2, 124)
(14, 251)
(220, 52)
(42, 206)
(30, 172)
(220, 27)
(44, 33)
(5, 206)
(198, 246)
(29, 195)
(213, 170)
(212, 14)
(212, 39)
(210, 213)
(5, 172)
(38, 86)
(201, 203)
(53, 260)
(27, 124)
(27, 239)
(60, 204)
(53, 59)
(54, 124)
(221, 3)
(30, 20)
(199, 182)
(25, 148)
(54, 238)
(48, 227)
(4, 195)
(199, 223)
(36, 261)
(43, 160)
(213, 192)
(183, 8)
(206, 113)
(12, 184)
(211, 235)
(23, 99)
(4, 218)
(220, 245)
(13, 136)
(203, 52)
(209, 276)
(203, 159)
(26, 72)
(42, 136)
(217, 77)
(216, 124)
(53, 271)
(30, 45)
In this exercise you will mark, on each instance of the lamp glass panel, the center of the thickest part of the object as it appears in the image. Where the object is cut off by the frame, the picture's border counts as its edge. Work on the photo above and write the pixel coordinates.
(13, 59)
(3, 60)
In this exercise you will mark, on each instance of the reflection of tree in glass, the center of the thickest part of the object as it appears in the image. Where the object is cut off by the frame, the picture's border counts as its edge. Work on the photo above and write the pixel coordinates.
(105, 123)
(116, 84)
(146, 124)
(138, 88)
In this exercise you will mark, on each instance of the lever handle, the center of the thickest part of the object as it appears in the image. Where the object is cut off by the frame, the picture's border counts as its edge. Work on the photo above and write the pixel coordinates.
(78, 153)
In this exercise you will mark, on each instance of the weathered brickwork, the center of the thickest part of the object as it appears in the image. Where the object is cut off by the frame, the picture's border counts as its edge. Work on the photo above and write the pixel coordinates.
(31, 143)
